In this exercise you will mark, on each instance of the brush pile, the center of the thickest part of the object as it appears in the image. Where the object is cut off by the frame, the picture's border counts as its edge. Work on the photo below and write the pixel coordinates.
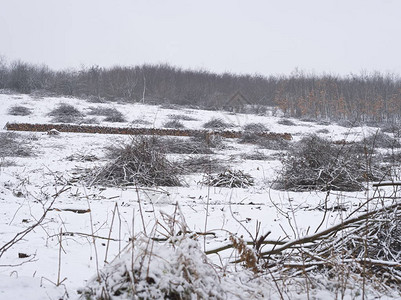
(368, 245)
(229, 178)
(315, 163)
(14, 145)
(138, 163)
(202, 164)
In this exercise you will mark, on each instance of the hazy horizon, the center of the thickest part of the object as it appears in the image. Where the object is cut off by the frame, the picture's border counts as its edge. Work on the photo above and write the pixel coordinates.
(253, 37)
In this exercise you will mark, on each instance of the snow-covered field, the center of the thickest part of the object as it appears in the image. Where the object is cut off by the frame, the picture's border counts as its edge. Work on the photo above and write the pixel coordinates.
(97, 222)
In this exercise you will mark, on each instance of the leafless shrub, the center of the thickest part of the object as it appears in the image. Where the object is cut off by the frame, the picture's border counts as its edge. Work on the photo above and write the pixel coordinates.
(264, 142)
(217, 124)
(66, 113)
(141, 122)
(89, 121)
(182, 117)
(324, 123)
(393, 157)
(173, 124)
(256, 155)
(111, 114)
(14, 145)
(118, 117)
(391, 128)
(82, 157)
(249, 138)
(209, 141)
(202, 164)
(308, 119)
(229, 178)
(4, 163)
(171, 145)
(101, 111)
(286, 122)
(183, 146)
(96, 99)
(19, 110)
(323, 131)
(315, 163)
(348, 123)
(255, 127)
(381, 140)
(138, 163)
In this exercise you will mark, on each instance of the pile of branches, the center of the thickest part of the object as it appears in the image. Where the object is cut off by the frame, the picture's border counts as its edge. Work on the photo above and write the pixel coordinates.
(138, 163)
(315, 163)
(381, 140)
(65, 113)
(368, 245)
(229, 178)
(14, 145)
(202, 164)
(181, 145)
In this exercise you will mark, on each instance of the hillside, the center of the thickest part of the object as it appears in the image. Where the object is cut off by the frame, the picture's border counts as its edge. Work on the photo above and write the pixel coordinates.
(81, 219)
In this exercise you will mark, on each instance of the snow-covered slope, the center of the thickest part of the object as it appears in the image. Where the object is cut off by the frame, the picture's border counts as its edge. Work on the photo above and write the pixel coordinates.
(88, 226)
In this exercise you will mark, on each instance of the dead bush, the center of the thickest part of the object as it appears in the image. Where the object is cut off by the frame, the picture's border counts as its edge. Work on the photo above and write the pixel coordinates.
(202, 164)
(19, 110)
(229, 178)
(141, 122)
(138, 163)
(256, 155)
(209, 140)
(4, 163)
(172, 145)
(255, 127)
(182, 146)
(89, 121)
(393, 158)
(286, 122)
(182, 117)
(173, 124)
(217, 124)
(264, 142)
(323, 131)
(66, 113)
(111, 114)
(381, 140)
(82, 157)
(315, 163)
(348, 123)
(14, 145)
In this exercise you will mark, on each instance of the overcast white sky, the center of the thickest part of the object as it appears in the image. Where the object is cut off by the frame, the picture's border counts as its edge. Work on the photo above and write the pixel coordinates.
(248, 36)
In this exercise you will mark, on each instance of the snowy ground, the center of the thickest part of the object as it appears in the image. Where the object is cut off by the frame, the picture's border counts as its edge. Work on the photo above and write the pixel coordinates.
(29, 184)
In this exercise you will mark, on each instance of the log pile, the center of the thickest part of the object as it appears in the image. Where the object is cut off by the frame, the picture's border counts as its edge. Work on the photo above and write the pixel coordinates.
(135, 130)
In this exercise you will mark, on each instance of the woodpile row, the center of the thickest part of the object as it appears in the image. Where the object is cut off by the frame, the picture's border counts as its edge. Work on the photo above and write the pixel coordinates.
(136, 130)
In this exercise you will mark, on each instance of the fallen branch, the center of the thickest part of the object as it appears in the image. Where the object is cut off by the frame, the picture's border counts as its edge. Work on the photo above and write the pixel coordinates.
(19, 236)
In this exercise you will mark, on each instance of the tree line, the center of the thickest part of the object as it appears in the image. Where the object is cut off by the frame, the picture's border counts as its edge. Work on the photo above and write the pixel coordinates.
(366, 97)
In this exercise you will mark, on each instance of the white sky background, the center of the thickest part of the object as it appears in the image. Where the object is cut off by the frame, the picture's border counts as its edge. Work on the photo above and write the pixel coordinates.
(248, 36)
